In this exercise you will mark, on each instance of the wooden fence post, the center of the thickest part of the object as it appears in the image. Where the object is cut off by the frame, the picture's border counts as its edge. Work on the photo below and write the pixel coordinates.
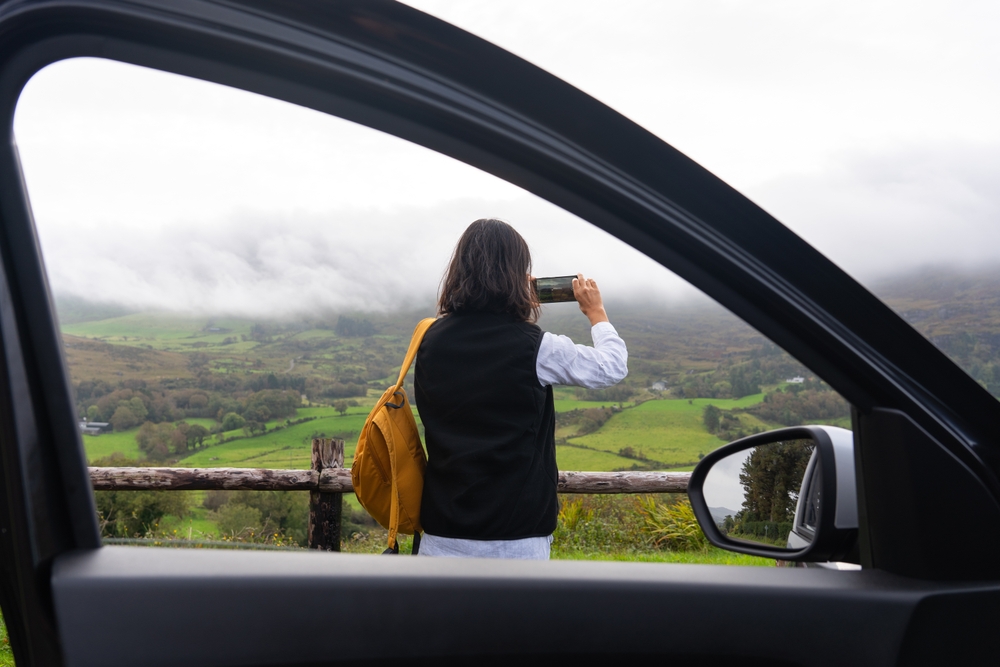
(325, 509)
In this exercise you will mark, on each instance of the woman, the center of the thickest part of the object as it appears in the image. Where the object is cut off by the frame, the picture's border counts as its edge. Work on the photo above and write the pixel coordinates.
(483, 389)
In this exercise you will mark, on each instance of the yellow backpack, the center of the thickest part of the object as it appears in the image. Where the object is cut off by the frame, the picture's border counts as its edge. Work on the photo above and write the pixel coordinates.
(389, 461)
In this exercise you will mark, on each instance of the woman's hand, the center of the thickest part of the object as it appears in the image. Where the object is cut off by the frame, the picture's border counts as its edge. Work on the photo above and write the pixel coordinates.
(589, 297)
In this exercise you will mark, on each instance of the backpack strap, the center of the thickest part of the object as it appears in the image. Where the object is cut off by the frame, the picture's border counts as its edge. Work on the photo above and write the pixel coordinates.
(411, 353)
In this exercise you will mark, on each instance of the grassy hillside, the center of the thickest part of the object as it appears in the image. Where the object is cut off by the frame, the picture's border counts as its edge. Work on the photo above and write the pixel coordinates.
(668, 431)
(286, 448)
(158, 357)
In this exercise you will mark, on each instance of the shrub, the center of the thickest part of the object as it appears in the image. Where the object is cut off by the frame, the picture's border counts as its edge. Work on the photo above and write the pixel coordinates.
(710, 417)
(280, 517)
(232, 421)
(157, 440)
(239, 522)
(673, 526)
(605, 524)
(614, 394)
(136, 513)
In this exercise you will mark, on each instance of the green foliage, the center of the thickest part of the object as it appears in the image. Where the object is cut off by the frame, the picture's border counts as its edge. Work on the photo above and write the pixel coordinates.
(271, 404)
(671, 432)
(239, 522)
(273, 517)
(159, 440)
(771, 477)
(793, 408)
(195, 434)
(350, 327)
(128, 414)
(6, 652)
(113, 460)
(673, 525)
(232, 421)
(744, 381)
(771, 532)
(600, 523)
(615, 394)
(633, 525)
(137, 513)
(342, 406)
(710, 417)
(583, 421)
(343, 389)
(288, 447)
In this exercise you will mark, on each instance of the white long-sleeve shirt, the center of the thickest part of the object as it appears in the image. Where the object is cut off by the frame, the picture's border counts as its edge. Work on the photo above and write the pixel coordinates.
(559, 361)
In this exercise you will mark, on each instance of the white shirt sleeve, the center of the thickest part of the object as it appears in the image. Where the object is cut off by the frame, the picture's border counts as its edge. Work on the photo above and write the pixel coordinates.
(561, 361)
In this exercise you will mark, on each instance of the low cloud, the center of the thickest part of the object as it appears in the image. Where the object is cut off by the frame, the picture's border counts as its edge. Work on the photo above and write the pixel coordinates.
(349, 260)
(895, 210)
(876, 215)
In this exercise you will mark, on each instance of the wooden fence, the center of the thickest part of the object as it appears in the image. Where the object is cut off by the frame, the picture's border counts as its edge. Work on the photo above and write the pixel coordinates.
(328, 480)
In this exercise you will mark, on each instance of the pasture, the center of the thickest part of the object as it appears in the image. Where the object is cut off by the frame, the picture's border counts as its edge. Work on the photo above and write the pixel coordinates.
(162, 332)
(668, 430)
(288, 447)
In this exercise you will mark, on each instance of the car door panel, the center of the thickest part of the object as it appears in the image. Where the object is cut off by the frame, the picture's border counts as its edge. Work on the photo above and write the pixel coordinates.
(315, 608)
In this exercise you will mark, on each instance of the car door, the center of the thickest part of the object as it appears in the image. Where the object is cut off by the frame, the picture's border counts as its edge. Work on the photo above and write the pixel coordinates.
(920, 423)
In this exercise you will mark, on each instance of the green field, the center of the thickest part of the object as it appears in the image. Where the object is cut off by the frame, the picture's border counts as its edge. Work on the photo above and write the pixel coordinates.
(669, 430)
(106, 444)
(161, 332)
(578, 458)
(166, 357)
(286, 448)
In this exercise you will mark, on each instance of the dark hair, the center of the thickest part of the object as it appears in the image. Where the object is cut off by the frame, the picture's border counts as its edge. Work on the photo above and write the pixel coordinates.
(489, 272)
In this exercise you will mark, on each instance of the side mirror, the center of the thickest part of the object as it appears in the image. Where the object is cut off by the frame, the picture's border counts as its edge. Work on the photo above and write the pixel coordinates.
(788, 494)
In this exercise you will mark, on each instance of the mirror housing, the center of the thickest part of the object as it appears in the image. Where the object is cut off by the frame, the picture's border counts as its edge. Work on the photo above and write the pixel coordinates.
(825, 527)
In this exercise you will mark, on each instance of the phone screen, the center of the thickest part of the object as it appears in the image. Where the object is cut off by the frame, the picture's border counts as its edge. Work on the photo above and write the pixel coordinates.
(555, 290)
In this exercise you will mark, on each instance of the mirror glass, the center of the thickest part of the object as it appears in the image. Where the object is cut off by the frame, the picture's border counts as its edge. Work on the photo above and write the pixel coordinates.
(753, 495)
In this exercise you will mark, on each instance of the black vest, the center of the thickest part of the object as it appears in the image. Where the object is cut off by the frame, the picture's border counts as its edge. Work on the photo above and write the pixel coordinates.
(489, 429)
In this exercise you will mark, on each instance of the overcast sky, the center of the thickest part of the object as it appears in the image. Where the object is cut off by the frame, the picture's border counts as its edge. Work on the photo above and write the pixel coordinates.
(869, 128)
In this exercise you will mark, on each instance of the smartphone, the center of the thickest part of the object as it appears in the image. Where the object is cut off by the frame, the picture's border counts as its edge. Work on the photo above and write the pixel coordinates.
(555, 290)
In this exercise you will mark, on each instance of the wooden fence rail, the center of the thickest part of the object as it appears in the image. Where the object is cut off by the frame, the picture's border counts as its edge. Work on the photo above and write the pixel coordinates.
(339, 480)
(328, 479)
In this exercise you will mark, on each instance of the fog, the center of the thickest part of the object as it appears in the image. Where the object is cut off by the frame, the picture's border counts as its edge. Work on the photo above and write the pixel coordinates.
(868, 130)
(347, 260)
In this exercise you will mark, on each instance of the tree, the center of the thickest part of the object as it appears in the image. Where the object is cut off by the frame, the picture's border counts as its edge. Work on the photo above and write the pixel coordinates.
(93, 413)
(341, 407)
(123, 418)
(744, 381)
(156, 440)
(196, 435)
(349, 327)
(138, 408)
(136, 513)
(197, 361)
(265, 514)
(771, 477)
(232, 421)
(238, 521)
(178, 441)
(711, 417)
